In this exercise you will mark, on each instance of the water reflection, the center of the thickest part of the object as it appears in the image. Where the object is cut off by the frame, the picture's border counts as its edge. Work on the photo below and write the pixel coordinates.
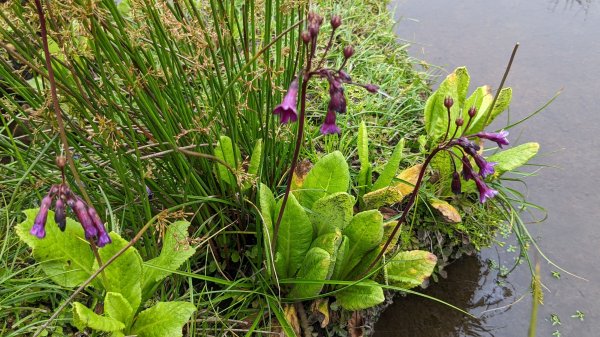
(471, 286)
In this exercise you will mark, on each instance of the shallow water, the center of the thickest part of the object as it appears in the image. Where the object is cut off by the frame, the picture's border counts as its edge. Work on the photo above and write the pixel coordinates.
(559, 49)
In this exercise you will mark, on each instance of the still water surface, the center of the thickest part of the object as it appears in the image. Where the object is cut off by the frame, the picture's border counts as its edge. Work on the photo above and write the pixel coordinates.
(559, 49)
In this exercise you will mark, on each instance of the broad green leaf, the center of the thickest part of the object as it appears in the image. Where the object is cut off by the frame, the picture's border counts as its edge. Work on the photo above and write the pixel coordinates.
(66, 257)
(294, 237)
(331, 212)
(329, 242)
(364, 174)
(388, 228)
(256, 157)
(164, 319)
(360, 296)
(481, 99)
(117, 307)
(389, 171)
(315, 267)
(124, 275)
(84, 317)
(267, 208)
(363, 265)
(455, 85)
(394, 194)
(329, 175)
(511, 159)
(341, 258)
(409, 269)
(447, 212)
(175, 251)
(230, 154)
(365, 232)
(485, 115)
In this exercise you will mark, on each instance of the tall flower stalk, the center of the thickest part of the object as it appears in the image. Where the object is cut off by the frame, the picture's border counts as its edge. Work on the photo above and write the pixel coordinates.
(336, 78)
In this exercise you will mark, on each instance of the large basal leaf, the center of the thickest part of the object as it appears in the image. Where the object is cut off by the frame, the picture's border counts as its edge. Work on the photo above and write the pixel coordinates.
(394, 194)
(124, 275)
(329, 175)
(485, 115)
(175, 251)
(331, 212)
(329, 242)
(314, 268)
(389, 171)
(360, 296)
(164, 319)
(364, 174)
(341, 258)
(365, 232)
(66, 257)
(230, 154)
(446, 211)
(254, 165)
(83, 317)
(294, 237)
(455, 85)
(512, 159)
(267, 208)
(117, 307)
(409, 269)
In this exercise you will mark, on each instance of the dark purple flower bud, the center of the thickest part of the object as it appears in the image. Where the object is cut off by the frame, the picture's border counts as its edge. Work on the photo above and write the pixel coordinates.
(329, 126)
(103, 238)
(313, 28)
(485, 192)
(305, 35)
(467, 170)
(81, 211)
(448, 102)
(348, 52)
(459, 122)
(472, 112)
(39, 224)
(287, 108)
(372, 88)
(311, 16)
(498, 137)
(60, 214)
(456, 188)
(344, 77)
(61, 161)
(149, 193)
(337, 101)
(336, 21)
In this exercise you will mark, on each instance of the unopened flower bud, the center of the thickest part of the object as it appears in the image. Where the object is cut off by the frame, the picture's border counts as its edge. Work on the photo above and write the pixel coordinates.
(459, 122)
(305, 35)
(313, 29)
(456, 188)
(336, 21)
(60, 215)
(472, 112)
(348, 52)
(311, 16)
(448, 102)
(372, 88)
(61, 161)
(344, 77)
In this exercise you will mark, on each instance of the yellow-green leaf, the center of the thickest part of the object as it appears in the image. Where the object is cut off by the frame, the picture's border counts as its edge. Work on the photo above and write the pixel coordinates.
(411, 268)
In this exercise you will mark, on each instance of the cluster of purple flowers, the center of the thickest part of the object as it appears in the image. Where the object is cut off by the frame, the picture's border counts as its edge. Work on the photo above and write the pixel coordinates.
(336, 77)
(87, 215)
(470, 150)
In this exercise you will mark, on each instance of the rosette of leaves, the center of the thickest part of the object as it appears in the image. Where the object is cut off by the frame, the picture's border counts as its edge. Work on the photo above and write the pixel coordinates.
(320, 238)
(127, 282)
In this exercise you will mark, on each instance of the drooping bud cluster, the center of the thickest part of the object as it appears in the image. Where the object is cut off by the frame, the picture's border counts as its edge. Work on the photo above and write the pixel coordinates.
(470, 152)
(87, 215)
(336, 77)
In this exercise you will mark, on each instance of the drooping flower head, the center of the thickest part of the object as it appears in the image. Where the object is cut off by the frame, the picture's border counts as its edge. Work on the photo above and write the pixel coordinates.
(485, 168)
(329, 126)
(456, 185)
(497, 137)
(287, 108)
(467, 169)
(81, 211)
(485, 192)
(60, 214)
(103, 238)
(39, 224)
